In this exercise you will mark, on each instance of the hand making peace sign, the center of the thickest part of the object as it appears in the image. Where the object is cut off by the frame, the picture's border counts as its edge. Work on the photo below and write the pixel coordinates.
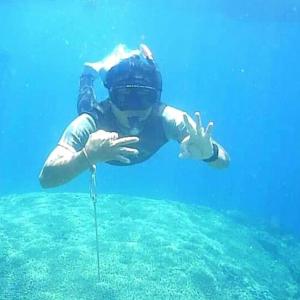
(198, 144)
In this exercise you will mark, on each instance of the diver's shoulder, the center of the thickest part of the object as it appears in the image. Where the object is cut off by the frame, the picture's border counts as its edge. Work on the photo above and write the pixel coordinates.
(83, 120)
(169, 113)
(85, 117)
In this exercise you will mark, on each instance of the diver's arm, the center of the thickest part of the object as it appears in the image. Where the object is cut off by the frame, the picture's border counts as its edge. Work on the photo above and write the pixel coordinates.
(61, 166)
(199, 144)
(82, 146)
(218, 158)
(221, 159)
(179, 128)
(67, 160)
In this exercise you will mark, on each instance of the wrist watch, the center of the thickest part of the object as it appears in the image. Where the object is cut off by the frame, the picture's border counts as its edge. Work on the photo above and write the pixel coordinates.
(215, 154)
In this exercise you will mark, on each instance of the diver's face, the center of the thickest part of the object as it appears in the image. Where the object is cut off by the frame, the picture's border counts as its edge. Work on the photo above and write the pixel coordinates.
(132, 105)
(131, 118)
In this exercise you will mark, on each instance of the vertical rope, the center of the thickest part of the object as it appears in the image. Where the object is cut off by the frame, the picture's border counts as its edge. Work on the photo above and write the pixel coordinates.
(93, 195)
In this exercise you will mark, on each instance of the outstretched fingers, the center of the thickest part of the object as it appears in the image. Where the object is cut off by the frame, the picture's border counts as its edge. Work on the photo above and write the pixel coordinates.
(198, 121)
(200, 130)
(124, 152)
(189, 126)
(209, 129)
(125, 141)
(122, 159)
(128, 151)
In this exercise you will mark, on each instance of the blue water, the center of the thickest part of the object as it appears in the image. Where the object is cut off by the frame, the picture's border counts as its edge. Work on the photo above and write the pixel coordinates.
(237, 62)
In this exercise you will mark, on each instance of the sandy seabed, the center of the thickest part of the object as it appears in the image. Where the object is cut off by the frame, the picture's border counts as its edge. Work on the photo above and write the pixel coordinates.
(149, 249)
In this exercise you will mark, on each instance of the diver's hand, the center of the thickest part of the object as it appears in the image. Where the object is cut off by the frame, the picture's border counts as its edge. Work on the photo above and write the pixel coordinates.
(105, 146)
(198, 144)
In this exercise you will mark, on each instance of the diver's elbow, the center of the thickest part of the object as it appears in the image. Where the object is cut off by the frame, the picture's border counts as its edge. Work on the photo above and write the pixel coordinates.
(44, 183)
(46, 180)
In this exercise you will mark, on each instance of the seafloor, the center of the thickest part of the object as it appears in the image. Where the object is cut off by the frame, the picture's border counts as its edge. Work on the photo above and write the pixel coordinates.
(149, 249)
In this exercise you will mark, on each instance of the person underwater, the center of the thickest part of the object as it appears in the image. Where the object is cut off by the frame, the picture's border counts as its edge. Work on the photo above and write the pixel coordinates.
(129, 126)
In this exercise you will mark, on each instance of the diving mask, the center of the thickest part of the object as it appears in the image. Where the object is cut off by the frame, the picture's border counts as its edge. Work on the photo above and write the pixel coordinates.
(134, 97)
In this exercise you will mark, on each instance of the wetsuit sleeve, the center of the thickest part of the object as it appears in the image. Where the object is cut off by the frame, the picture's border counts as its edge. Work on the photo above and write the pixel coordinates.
(174, 125)
(77, 133)
(86, 96)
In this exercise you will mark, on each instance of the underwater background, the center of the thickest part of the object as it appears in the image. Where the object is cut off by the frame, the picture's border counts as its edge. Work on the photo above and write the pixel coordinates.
(237, 62)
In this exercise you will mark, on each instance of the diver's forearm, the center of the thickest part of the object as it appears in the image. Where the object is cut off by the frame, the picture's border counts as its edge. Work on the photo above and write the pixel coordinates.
(60, 170)
(223, 159)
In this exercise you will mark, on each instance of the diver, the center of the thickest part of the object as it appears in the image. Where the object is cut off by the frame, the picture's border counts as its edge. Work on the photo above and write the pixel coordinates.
(130, 125)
